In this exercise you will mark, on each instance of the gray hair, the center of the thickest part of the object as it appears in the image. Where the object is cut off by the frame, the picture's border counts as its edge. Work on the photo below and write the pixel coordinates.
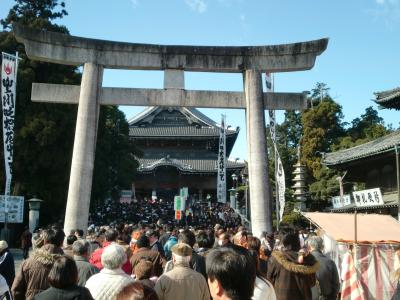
(315, 243)
(80, 247)
(113, 257)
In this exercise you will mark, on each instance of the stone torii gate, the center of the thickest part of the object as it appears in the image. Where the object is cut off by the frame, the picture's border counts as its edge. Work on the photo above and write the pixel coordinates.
(95, 55)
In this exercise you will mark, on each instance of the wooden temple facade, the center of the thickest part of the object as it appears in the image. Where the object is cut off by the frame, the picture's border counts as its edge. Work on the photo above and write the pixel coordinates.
(375, 163)
(180, 147)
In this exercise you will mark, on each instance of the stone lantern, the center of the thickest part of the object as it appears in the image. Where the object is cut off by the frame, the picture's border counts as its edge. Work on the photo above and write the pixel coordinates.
(34, 208)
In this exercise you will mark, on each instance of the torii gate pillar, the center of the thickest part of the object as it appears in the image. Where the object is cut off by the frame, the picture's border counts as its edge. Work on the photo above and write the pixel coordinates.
(80, 182)
(261, 214)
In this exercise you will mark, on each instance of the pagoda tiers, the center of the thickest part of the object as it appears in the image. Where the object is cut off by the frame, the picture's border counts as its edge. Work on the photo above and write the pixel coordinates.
(299, 185)
(180, 147)
(389, 99)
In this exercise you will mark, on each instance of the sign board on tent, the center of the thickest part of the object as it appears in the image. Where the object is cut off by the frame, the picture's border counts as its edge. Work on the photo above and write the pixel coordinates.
(15, 206)
(338, 203)
(369, 197)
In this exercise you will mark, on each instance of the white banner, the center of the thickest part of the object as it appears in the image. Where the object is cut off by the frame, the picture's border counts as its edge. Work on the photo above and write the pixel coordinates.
(338, 203)
(279, 171)
(280, 177)
(221, 163)
(8, 97)
(370, 197)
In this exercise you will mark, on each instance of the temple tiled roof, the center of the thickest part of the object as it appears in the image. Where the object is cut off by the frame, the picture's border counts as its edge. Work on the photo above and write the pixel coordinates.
(175, 131)
(378, 146)
(389, 99)
(189, 110)
(186, 165)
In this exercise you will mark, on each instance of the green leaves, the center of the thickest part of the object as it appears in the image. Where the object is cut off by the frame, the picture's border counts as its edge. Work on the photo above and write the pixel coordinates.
(44, 133)
(319, 130)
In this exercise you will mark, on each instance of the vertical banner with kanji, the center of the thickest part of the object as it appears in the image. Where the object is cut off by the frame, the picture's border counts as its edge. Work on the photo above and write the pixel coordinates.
(279, 171)
(8, 96)
(221, 182)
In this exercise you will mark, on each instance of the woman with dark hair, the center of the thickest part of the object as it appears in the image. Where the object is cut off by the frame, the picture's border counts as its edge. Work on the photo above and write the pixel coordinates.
(254, 244)
(263, 289)
(291, 270)
(63, 278)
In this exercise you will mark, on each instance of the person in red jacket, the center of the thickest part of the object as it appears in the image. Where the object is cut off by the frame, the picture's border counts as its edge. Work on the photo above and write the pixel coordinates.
(95, 259)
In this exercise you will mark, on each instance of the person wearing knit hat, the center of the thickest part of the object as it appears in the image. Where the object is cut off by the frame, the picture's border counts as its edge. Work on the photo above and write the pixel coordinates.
(182, 282)
(182, 250)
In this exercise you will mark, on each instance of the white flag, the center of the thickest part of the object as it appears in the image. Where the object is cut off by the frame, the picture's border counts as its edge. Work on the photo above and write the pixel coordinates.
(279, 171)
(221, 163)
(280, 177)
(8, 97)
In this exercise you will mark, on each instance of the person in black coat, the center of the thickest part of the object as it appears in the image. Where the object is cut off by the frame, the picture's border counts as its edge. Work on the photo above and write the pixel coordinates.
(63, 278)
(7, 268)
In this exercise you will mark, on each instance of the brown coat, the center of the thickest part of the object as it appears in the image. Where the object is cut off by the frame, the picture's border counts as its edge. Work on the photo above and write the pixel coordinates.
(182, 283)
(32, 276)
(154, 256)
(292, 280)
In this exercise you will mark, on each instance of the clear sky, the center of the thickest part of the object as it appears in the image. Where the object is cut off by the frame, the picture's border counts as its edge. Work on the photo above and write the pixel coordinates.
(363, 54)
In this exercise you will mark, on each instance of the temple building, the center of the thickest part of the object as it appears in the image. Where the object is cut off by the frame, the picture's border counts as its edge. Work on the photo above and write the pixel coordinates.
(180, 147)
(376, 164)
(388, 99)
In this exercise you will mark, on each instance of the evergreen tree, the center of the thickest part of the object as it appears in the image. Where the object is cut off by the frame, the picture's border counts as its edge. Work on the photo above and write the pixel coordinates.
(322, 127)
(44, 133)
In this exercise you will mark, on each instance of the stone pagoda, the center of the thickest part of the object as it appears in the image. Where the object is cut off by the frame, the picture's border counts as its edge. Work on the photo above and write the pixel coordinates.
(299, 184)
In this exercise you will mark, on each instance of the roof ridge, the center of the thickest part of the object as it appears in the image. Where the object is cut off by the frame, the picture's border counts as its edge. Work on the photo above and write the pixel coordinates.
(364, 150)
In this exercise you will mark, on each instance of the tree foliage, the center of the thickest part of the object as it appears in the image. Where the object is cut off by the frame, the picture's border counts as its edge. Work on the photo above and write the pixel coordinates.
(115, 163)
(320, 130)
(322, 127)
(44, 133)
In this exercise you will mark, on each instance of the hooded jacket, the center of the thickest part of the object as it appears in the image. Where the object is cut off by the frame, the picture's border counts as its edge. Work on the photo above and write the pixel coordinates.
(291, 279)
(32, 276)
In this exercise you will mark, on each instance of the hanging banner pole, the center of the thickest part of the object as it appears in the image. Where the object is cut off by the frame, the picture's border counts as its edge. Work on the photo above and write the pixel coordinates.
(221, 180)
(280, 185)
(8, 97)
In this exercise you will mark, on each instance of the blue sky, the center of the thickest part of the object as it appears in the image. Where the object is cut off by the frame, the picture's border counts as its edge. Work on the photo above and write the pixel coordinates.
(363, 55)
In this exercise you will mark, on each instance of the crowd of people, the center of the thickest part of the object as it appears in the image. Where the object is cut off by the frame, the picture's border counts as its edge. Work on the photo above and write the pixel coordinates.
(142, 253)
(150, 211)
